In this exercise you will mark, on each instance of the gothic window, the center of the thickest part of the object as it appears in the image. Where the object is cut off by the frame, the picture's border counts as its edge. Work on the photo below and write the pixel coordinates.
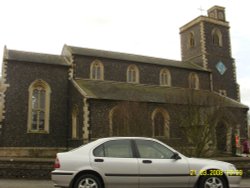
(39, 102)
(217, 37)
(165, 77)
(126, 119)
(193, 81)
(75, 122)
(97, 70)
(117, 121)
(191, 40)
(160, 123)
(133, 74)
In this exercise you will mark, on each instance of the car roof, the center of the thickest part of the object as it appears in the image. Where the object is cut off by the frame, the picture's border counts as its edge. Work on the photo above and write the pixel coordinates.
(99, 141)
(122, 138)
(102, 140)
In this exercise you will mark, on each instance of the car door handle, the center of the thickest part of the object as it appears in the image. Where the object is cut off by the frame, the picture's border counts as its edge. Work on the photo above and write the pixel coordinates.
(99, 160)
(147, 161)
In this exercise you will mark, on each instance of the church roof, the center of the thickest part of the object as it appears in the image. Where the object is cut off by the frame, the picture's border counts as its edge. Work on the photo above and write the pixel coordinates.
(129, 57)
(110, 90)
(15, 55)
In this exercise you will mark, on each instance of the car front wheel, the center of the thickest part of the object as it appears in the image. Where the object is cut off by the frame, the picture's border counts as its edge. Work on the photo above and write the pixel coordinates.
(87, 181)
(212, 182)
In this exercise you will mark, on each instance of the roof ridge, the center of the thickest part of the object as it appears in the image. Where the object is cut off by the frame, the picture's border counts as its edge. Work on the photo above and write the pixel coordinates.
(36, 53)
(145, 85)
(123, 53)
(35, 57)
(121, 56)
(152, 93)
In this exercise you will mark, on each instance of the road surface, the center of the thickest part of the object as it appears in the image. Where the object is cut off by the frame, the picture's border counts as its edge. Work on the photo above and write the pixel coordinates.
(20, 183)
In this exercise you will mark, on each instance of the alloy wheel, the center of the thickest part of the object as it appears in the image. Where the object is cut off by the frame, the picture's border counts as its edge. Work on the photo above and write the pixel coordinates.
(87, 183)
(213, 182)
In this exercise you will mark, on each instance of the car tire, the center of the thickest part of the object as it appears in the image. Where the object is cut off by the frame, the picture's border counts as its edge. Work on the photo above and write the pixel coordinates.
(212, 181)
(88, 180)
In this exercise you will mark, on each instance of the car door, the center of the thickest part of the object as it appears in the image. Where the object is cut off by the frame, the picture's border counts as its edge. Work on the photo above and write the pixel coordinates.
(116, 161)
(157, 169)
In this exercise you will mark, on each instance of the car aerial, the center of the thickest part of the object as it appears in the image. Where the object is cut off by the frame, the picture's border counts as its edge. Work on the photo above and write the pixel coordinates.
(137, 162)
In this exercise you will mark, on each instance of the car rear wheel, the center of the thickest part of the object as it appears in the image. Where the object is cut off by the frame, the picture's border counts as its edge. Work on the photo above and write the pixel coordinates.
(88, 181)
(212, 182)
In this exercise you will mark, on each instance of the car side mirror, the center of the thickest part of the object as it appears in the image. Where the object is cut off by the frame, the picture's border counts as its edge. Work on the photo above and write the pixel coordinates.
(175, 156)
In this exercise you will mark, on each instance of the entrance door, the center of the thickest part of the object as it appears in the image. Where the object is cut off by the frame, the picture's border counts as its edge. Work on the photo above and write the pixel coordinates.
(221, 137)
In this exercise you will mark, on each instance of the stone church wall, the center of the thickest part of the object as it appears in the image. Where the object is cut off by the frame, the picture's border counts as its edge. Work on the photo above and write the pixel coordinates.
(116, 70)
(75, 100)
(223, 50)
(232, 118)
(19, 77)
(100, 118)
(192, 54)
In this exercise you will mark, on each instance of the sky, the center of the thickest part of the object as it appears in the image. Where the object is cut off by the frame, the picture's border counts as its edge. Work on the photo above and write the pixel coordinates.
(144, 27)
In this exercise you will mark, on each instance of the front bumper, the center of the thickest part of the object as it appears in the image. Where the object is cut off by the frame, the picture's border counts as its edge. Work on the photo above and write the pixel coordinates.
(234, 181)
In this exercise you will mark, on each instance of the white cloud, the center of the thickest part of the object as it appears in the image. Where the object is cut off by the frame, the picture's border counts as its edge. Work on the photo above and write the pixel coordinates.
(148, 27)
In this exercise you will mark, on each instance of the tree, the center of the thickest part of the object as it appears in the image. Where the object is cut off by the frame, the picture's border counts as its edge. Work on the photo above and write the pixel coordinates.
(197, 128)
(198, 121)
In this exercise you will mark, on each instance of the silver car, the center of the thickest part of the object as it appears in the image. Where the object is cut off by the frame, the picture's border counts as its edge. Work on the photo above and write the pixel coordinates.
(137, 162)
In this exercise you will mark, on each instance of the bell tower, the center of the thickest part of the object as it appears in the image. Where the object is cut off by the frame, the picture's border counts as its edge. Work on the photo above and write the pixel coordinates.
(205, 41)
(217, 12)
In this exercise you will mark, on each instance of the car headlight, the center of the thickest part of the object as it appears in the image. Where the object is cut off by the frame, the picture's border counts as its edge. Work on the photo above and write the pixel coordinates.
(232, 171)
(231, 167)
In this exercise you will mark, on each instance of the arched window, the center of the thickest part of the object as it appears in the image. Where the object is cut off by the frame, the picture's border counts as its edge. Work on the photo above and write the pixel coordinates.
(217, 37)
(75, 122)
(191, 40)
(112, 124)
(96, 70)
(133, 74)
(165, 77)
(160, 123)
(193, 81)
(39, 106)
(127, 118)
(118, 121)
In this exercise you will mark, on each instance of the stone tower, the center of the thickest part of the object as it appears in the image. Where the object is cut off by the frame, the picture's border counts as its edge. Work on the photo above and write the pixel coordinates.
(205, 41)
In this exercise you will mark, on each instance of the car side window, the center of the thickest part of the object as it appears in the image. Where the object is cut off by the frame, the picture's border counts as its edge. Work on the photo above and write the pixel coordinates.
(153, 150)
(99, 151)
(114, 148)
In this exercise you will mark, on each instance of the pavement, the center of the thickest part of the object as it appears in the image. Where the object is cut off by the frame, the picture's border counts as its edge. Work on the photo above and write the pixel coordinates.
(21, 183)
(245, 183)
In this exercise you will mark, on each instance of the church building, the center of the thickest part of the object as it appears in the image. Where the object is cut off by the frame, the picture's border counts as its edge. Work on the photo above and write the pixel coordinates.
(63, 101)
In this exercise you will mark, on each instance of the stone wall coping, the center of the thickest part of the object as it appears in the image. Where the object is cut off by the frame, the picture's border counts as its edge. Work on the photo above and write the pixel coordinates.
(232, 159)
(26, 159)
